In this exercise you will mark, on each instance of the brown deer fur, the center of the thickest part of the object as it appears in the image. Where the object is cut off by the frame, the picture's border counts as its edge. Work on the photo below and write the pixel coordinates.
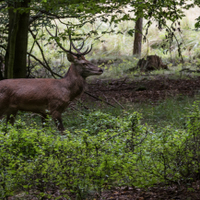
(40, 95)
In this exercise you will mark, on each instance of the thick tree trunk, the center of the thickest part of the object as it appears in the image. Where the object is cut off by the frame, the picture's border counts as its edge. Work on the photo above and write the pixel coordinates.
(12, 37)
(15, 60)
(137, 45)
(21, 43)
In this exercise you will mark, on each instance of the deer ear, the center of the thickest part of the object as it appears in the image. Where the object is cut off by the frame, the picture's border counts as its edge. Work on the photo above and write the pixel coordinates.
(71, 58)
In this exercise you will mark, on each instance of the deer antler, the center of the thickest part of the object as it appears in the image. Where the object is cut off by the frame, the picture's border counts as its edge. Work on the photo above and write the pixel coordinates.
(71, 45)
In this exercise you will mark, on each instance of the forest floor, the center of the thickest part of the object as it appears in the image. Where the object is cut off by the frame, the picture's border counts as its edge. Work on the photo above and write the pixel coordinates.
(153, 193)
(118, 92)
(144, 90)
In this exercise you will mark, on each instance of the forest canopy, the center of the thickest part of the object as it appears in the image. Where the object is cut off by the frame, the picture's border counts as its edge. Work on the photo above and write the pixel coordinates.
(21, 20)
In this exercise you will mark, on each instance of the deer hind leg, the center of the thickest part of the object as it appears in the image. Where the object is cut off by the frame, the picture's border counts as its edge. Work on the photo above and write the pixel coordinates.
(1, 116)
(2, 113)
(10, 119)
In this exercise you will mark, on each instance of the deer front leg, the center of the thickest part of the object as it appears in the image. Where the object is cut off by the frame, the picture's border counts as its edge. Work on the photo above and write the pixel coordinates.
(43, 119)
(11, 118)
(58, 120)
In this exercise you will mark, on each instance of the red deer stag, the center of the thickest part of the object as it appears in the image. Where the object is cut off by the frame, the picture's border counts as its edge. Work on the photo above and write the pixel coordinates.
(39, 95)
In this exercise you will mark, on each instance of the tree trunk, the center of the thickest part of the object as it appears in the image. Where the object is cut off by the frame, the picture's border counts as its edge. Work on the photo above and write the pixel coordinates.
(137, 46)
(10, 53)
(15, 59)
(1, 67)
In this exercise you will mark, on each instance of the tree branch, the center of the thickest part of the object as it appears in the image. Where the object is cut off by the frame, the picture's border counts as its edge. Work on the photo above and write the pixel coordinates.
(49, 15)
(42, 53)
(35, 17)
(49, 69)
(99, 99)
(1, 46)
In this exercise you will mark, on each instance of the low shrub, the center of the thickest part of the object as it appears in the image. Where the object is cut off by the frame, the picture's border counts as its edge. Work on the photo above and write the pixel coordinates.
(89, 159)
(106, 152)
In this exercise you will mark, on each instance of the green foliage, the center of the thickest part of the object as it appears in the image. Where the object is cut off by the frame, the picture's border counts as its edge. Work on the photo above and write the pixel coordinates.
(105, 151)
(172, 155)
(87, 159)
(75, 14)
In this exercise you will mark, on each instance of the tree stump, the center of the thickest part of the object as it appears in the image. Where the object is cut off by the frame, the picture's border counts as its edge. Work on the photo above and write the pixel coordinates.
(151, 63)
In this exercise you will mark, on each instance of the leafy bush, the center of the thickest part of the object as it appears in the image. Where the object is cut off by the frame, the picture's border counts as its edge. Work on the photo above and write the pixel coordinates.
(89, 159)
(172, 155)
(105, 152)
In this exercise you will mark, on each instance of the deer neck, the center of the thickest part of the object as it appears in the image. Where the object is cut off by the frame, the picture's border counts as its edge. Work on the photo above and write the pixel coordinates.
(75, 82)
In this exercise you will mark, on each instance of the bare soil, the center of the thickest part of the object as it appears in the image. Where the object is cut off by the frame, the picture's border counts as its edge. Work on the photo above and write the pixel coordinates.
(145, 90)
(154, 193)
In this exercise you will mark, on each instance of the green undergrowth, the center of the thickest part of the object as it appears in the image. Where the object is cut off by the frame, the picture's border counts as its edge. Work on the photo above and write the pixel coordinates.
(170, 111)
(105, 150)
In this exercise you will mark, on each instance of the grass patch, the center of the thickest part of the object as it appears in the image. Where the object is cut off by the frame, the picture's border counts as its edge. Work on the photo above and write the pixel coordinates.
(171, 111)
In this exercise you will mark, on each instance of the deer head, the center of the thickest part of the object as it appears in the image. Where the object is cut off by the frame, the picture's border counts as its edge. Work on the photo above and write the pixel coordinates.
(83, 66)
